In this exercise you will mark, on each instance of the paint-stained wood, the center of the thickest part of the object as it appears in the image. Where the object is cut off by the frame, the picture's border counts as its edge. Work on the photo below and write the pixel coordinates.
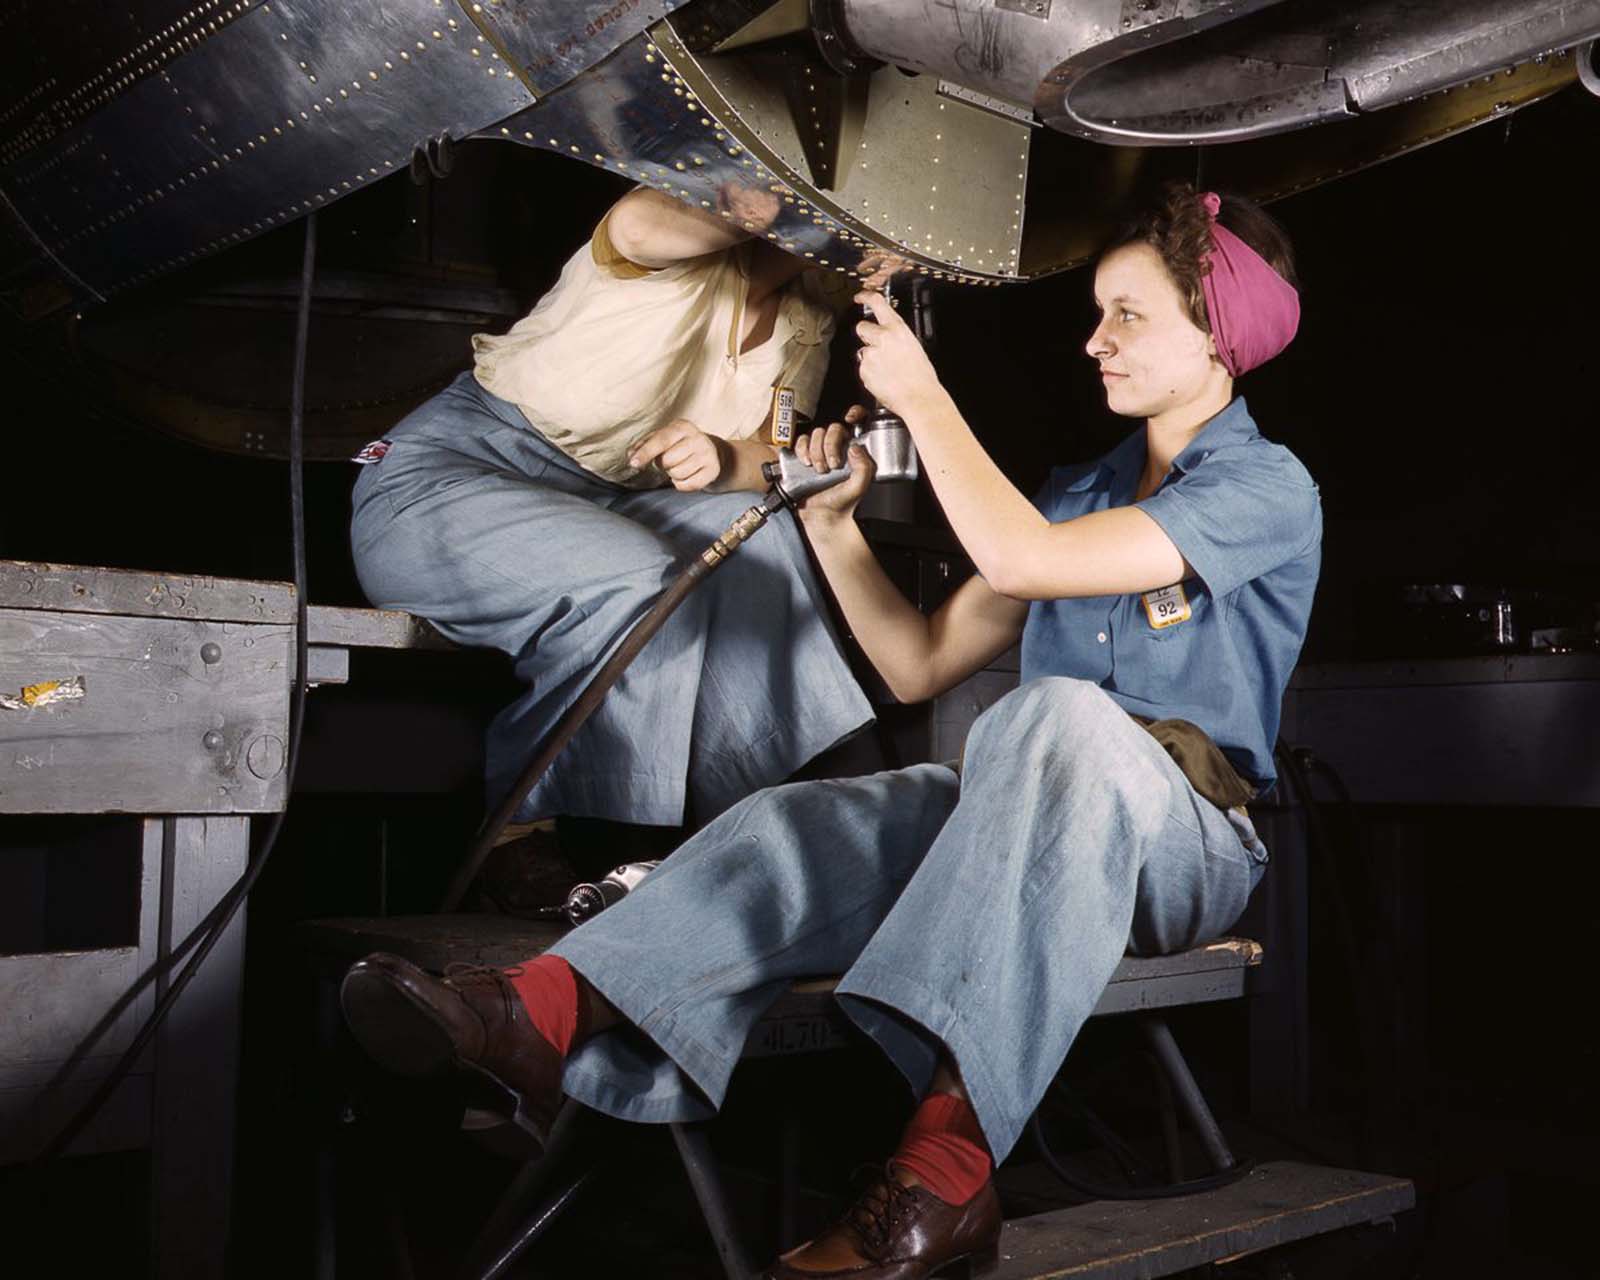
(138, 593)
(1276, 1203)
(371, 629)
(177, 715)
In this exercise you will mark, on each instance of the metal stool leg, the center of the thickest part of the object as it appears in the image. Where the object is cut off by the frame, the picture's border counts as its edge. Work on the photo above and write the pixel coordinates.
(1189, 1096)
(701, 1166)
(511, 1227)
(788, 1181)
(1170, 1137)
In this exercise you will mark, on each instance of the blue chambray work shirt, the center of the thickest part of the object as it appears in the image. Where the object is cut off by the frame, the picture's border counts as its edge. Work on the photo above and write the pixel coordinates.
(1246, 516)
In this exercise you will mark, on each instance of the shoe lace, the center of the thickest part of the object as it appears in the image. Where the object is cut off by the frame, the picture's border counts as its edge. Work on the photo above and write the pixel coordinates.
(882, 1205)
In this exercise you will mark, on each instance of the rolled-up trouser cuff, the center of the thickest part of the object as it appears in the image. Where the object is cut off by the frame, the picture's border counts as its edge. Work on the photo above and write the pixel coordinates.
(913, 1025)
(664, 1076)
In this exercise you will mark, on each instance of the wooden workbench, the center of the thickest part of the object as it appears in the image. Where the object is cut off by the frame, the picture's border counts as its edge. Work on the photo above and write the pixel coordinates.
(164, 697)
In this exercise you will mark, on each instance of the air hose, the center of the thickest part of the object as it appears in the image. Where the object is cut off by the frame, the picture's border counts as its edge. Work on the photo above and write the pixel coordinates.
(792, 480)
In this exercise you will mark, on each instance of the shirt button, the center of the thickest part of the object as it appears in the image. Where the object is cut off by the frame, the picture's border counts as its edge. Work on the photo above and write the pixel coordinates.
(1101, 638)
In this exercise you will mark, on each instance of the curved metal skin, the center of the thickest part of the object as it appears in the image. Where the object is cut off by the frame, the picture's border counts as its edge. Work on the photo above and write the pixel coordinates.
(1182, 72)
(1589, 67)
(223, 126)
(137, 141)
(939, 183)
(1299, 65)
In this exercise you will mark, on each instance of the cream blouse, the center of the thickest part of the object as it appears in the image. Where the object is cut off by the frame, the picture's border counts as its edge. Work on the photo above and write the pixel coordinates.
(616, 350)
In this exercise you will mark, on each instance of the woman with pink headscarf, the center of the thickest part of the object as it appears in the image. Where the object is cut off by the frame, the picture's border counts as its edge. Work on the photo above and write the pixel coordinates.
(976, 909)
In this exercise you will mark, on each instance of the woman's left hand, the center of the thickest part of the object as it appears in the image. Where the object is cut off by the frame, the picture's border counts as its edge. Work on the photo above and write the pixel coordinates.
(691, 458)
(893, 365)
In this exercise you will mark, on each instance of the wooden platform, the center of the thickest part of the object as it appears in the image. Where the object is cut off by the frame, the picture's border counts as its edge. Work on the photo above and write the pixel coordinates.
(1275, 1204)
(804, 1019)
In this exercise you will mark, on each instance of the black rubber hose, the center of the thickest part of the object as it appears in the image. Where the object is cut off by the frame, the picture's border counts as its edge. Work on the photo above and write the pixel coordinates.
(665, 606)
(206, 937)
(1104, 1191)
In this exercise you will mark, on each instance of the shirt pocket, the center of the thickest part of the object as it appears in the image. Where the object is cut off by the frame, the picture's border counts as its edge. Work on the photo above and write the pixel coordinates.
(1165, 649)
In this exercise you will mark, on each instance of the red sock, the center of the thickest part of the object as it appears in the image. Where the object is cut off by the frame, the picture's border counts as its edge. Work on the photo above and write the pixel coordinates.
(549, 991)
(944, 1149)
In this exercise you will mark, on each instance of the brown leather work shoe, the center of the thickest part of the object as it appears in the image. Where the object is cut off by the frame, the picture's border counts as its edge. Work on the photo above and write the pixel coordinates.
(472, 1020)
(899, 1232)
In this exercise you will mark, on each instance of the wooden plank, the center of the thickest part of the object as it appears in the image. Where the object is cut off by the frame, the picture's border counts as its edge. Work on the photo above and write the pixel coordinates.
(122, 1123)
(139, 593)
(1219, 954)
(475, 937)
(1213, 971)
(429, 941)
(371, 629)
(327, 665)
(805, 1018)
(1276, 1203)
(52, 1000)
(1131, 995)
(197, 1051)
(147, 594)
(176, 715)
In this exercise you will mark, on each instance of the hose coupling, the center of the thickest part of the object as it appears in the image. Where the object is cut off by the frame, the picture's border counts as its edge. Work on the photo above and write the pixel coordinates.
(727, 542)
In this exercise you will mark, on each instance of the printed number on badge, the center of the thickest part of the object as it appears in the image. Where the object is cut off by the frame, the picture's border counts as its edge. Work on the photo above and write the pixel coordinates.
(1167, 607)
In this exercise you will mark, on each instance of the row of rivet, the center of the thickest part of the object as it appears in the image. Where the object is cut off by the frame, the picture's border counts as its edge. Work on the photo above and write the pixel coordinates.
(205, 169)
(829, 224)
(28, 99)
(855, 240)
(175, 38)
(660, 180)
(293, 209)
(1002, 260)
(50, 129)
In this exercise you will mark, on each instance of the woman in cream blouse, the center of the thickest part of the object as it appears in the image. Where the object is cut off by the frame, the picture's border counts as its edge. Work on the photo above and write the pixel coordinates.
(540, 502)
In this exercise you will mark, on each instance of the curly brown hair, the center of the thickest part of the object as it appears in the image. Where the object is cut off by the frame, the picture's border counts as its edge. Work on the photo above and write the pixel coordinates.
(1179, 230)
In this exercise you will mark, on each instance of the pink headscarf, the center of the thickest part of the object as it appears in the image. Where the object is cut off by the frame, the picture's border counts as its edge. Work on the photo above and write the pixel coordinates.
(1254, 311)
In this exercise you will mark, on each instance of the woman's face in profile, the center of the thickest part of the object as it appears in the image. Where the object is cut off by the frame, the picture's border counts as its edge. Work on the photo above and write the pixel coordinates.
(1152, 356)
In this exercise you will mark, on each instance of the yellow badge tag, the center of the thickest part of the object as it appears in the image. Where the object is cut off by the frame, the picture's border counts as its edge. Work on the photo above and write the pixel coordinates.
(780, 426)
(1167, 607)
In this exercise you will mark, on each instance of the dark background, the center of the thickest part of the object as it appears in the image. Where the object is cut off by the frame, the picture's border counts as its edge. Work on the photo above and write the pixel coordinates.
(1442, 392)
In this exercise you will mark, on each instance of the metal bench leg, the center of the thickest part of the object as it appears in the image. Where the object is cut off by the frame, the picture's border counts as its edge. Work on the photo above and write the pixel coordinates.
(1170, 1138)
(701, 1166)
(788, 1181)
(1189, 1096)
(511, 1227)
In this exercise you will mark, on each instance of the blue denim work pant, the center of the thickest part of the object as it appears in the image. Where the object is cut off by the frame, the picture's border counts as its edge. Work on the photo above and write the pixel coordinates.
(983, 913)
(475, 522)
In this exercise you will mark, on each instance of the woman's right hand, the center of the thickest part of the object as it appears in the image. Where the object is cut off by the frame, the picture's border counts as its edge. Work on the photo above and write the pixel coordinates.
(826, 449)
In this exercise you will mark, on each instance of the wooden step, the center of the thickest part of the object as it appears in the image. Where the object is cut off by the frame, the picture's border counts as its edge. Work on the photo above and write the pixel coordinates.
(1276, 1203)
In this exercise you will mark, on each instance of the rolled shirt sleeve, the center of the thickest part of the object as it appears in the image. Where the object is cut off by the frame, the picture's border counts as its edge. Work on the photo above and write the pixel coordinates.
(1241, 515)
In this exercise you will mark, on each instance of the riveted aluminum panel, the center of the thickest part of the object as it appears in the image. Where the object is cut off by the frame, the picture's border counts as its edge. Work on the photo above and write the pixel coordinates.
(209, 140)
(551, 43)
(922, 177)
